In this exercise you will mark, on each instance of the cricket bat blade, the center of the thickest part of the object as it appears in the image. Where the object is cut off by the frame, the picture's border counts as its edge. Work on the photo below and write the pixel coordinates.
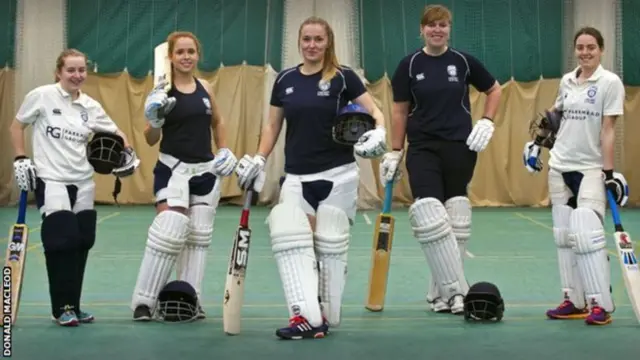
(237, 271)
(627, 258)
(15, 258)
(162, 66)
(381, 254)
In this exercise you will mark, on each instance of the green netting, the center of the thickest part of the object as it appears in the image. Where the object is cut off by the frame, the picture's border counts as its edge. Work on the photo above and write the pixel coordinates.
(121, 34)
(514, 38)
(8, 33)
(630, 36)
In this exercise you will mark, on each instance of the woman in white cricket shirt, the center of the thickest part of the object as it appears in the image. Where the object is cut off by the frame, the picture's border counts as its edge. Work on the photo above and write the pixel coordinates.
(590, 99)
(63, 120)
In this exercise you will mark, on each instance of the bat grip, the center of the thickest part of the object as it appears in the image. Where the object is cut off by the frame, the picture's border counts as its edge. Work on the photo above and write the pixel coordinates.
(388, 197)
(614, 211)
(244, 217)
(22, 207)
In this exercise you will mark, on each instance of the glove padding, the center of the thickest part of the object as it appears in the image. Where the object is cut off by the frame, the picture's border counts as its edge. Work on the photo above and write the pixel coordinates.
(390, 167)
(25, 173)
(250, 172)
(157, 105)
(224, 162)
(480, 135)
(617, 184)
(131, 163)
(531, 157)
(372, 143)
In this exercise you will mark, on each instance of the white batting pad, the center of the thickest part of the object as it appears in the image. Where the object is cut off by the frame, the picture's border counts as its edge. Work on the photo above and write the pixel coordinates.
(570, 278)
(292, 246)
(193, 258)
(433, 232)
(331, 246)
(459, 210)
(590, 243)
(167, 235)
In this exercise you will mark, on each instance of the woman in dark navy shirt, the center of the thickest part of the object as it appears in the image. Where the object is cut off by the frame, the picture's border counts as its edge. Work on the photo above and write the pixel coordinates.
(310, 227)
(432, 108)
(186, 176)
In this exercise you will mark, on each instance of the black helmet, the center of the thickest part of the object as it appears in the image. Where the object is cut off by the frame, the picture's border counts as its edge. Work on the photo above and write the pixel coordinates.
(483, 302)
(351, 123)
(104, 152)
(177, 302)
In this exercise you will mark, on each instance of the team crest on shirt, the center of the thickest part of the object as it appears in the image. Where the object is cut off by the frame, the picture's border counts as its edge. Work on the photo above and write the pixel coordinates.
(453, 73)
(207, 104)
(591, 95)
(324, 88)
(84, 115)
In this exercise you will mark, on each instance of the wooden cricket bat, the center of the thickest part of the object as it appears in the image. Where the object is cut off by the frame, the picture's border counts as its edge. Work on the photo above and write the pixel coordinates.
(234, 286)
(15, 260)
(162, 66)
(381, 253)
(627, 258)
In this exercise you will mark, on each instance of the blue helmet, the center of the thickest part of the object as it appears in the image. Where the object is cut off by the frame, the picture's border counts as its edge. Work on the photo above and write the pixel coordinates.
(351, 123)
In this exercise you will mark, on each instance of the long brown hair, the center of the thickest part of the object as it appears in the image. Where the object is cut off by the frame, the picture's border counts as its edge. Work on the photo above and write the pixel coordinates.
(62, 57)
(173, 38)
(330, 64)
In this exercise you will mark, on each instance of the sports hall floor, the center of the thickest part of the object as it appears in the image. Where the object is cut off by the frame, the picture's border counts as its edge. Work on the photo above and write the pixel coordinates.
(511, 247)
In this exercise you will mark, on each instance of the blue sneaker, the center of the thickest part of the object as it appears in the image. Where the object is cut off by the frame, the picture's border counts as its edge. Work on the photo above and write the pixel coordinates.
(85, 317)
(68, 318)
(299, 328)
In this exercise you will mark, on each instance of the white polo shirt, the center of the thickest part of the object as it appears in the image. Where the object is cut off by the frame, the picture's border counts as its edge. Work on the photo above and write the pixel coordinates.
(577, 146)
(61, 130)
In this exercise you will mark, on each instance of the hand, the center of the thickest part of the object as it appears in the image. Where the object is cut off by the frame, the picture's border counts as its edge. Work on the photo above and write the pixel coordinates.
(25, 173)
(372, 144)
(250, 170)
(480, 135)
(224, 162)
(157, 105)
(531, 157)
(390, 167)
(617, 184)
(130, 163)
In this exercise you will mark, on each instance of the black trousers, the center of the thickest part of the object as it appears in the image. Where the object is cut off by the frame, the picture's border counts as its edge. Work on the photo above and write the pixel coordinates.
(440, 169)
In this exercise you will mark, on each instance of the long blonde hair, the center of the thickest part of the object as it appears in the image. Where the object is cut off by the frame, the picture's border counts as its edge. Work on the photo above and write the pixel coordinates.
(330, 64)
(62, 57)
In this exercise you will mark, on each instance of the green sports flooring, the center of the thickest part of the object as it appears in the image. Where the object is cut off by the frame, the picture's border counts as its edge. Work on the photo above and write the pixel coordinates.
(513, 248)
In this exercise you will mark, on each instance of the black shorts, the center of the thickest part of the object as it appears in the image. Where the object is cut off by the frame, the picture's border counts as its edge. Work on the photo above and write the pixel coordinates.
(440, 169)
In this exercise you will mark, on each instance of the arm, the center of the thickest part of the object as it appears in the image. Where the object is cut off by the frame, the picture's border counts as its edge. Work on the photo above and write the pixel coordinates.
(218, 124)
(17, 137)
(402, 98)
(607, 141)
(152, 135)
(492, 101)
(613, 107)
(271, 131)
(366, 101)
(399, 114)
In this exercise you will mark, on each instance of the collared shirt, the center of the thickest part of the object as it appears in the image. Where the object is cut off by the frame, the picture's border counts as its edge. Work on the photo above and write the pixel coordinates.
(577, 146)
(62, 128)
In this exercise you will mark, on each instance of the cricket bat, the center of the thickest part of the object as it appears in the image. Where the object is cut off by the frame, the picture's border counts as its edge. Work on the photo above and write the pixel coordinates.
(15, 259)
(381, 253)
(162, 66)
(237, 271)
(627, 258)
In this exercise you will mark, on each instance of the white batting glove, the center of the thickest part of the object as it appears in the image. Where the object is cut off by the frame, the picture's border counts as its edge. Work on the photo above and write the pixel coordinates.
(390, 167)
(250, 170)
(531, 157)
(25, 173)
(224, 162)
(480, 135)
(372, 144)
(131, 163)
(157, 105)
